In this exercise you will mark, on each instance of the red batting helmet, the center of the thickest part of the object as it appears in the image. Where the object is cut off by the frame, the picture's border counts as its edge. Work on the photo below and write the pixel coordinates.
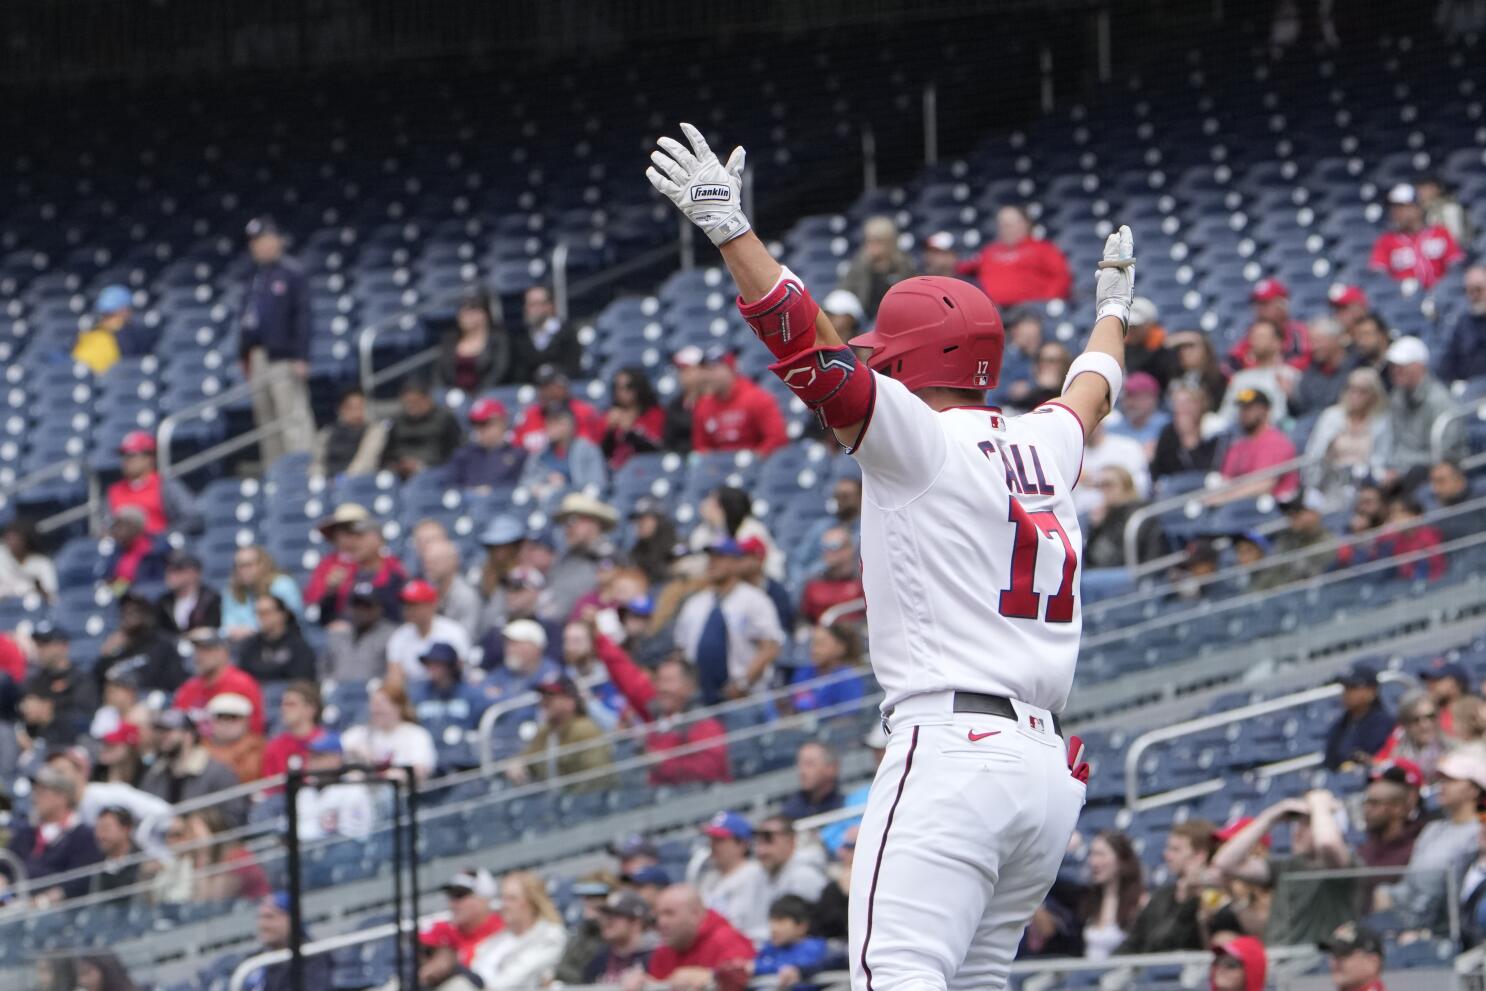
(936, 331)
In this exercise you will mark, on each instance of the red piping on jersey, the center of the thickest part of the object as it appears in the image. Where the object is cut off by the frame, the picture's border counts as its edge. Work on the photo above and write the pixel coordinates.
(881, 849)
(1083, 438)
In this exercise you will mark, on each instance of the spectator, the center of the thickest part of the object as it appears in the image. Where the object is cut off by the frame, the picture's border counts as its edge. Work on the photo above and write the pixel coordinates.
(680, 408)
(232, 744)
(654, 549)
(458, 599)
(728, 512)
(1259, 446)
(1417, 739)
(140, 648)
(254, 575)
(1018, 268)
(1390, 820)
(488, 460)
(52, 841)
(1442, 209)
(697, 942)
(439, 968)
(299, 720)
(1418, 400)
(1448, 682)
(1169, 919)
(184, 769)
(1145, 344)
(356, 649)
(278, 651)
(1141, 418)
(878, 265)
(663, 703)
(1019, 361)
(1306, 529)
(582, 649)
(524, 953)
(817, 770)
(215, 675)
(568, 743)
(939, 256)
(1104, 547)
(423, 434)
(72, 693)
(359, 557)
(1444, 847)
(730, 881)
(423, 628)
(584, 521)
(1115, 896)
(187, 603)
(273, 934)
(1322, 383)
(208, 869)
(1464, 355)
(555, 392)
(562, 459)
(833, 648)
(502, 539)
(790, 954)
(445, 698)
(1351, 440)
(733, 413)
(790, 869)
(120, 755)
(391, 736)
(1451, 489)
(113, 334)
(729, 630)
(352, 445)
(1365, 722)
(472, 923)
(845, 312)
(135, 557)
(95, 796)
(330, 804)
(1197, 366)
(275, 329)
(1186, 443)
(1271, 302)
(476, 354)
(1414, 248)
(524, 661)
(1472, 893)
(627, 945)
(1266, 371)
(1107, 450)
(547, 341)
(635, 420)
(114, 833)
(1301, 911)
(1370, 342)
(1406, 534)
(839, 579)
(833, 906)
(1049, 372)
(24, 570)
(1239, 964)
(1348, 305)
(1356, 957)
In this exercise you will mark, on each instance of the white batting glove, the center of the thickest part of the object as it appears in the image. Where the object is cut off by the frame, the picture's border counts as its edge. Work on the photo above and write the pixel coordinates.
(707, 191)
(1115, 288)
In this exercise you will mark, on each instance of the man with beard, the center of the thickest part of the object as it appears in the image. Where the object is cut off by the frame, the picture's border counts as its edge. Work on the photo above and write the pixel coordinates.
(142, 648)
(184, 770)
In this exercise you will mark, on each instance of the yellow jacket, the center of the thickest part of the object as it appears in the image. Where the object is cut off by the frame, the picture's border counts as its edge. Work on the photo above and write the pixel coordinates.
(98, 349)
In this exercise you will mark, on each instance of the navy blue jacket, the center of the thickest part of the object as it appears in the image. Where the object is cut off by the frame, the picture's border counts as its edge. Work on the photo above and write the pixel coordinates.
(1465, 349)
(808, 956)
(461, 704)
(1350, 738)
(276, 312)
(73, 849)
(473, 466)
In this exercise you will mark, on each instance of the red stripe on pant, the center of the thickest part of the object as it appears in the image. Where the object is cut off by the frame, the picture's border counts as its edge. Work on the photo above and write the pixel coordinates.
(882, 848)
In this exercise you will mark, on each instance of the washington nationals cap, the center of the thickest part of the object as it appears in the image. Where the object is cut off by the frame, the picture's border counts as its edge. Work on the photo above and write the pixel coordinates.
(728, 825)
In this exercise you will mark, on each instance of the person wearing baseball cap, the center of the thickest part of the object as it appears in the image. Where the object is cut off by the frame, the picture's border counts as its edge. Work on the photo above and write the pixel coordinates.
(113, 334)
(331, 804)
(1356, 957)
(188, 602)
(566, 728)
(472, 923)
(562, 459)
(1141, 417)
(844, 311)
(165, 503)
(423, 627)
(1448, 682)
(732, 412)
(554, 391)
(1390, 818)
(1146, 347)
(1421, 896)
(731, 880)
(1413, 248)
(276, 325)
(184, 770)
(687, 363)
(1270, 299)
(273, 934)
(939, 255)
(488, 460)
(1365, 722)
(1417, 401)
(1349, 304)
(445, 697)
(730, 657)
(230, 741)
(217, 675)
(1239, 964)
(1260, 444)
(624, 920)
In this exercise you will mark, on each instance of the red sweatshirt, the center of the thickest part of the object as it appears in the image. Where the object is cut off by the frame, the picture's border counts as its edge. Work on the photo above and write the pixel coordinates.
(586, 421)
(144, 492)
(197, 692)
(1017, 273)
(717, 943)
(746, 418)
(1424, 256)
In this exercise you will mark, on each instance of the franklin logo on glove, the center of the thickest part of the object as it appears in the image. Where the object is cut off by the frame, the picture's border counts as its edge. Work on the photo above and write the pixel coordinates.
(715, 194)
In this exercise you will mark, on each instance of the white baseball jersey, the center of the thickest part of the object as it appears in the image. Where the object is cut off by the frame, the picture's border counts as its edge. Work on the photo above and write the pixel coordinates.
(971, 548)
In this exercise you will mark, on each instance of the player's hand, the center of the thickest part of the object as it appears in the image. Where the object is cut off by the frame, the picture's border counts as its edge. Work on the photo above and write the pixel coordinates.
(1114, 289)
(707, 191)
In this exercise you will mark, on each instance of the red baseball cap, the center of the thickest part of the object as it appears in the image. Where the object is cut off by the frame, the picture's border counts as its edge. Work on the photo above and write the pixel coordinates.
(1341, 295)
(485, 410)
(137, 442)
(1226, 833)
(1268, 289)
(124, 733)
(753, 546)
(419, 590)
(1399, 770)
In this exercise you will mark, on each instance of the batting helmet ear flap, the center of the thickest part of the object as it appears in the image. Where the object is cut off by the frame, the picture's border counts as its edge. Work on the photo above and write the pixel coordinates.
(934, 331)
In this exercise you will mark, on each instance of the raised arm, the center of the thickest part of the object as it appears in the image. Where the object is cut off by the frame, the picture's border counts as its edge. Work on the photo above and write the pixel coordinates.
(1091, 396)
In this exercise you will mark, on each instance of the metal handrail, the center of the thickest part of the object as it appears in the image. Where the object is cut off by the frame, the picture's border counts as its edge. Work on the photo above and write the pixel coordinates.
(1445, 420)
(165, 432)
(19, 878)
(485, 730)
(560, 279)
(1142, 743)
(1197, 500)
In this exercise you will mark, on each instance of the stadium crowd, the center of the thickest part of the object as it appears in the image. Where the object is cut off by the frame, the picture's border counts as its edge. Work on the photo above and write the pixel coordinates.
(630, 622)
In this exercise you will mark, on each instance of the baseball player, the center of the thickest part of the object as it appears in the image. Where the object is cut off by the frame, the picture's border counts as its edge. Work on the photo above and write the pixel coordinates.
(970, 553)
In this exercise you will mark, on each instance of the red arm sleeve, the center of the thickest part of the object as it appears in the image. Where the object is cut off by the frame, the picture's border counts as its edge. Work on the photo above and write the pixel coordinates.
(770, 423)
(633, 683)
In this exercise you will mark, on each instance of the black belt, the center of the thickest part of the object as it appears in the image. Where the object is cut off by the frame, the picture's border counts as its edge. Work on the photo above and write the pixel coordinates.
(992, 705)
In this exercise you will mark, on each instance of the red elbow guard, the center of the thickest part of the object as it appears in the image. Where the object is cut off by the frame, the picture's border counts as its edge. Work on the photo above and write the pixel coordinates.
(784, 319)
(831, 383)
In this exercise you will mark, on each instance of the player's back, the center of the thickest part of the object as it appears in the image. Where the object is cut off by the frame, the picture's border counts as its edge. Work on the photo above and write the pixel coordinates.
(971, 548)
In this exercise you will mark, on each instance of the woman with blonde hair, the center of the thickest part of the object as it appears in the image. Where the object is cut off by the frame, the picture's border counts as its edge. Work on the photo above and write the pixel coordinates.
(254, 574)
(1352, 439)
(525, 953)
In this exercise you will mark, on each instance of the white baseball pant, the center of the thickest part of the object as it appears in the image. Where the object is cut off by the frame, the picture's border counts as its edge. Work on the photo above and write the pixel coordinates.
(966, 824)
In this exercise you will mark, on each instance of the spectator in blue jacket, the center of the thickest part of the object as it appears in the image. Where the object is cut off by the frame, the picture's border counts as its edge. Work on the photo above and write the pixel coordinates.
(275, 330)
(791, 953)
(488, 459)
(1365, 722)
(1464, 356)
(444, 698)
(564, 460)
(273, 934)
(54, 840)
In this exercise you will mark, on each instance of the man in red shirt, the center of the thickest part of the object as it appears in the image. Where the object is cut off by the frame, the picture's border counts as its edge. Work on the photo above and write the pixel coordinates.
(1261, 445)
(1016, 267)
(553, 390)
(1413, 249)
(838, 581)
(660, 701)
(360, 556)
(164, 503)
(734, 413)
(696, 942)
(1271, 301)
(472, 922)
(215, 675)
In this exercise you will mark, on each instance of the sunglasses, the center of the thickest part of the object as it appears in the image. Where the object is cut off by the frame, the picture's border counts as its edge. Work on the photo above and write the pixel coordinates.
(1421, 717)
(768, 834)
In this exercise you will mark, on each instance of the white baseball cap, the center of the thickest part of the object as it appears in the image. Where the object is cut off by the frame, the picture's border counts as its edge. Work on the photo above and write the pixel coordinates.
(846, 303)
(1404, 192)
(1143, 312)
(940, 241)
(1408, 351)
(230, 704)
(476, 880)
(526, 631)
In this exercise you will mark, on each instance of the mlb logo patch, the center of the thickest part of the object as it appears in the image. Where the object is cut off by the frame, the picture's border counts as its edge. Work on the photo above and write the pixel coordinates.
(1037, 724)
